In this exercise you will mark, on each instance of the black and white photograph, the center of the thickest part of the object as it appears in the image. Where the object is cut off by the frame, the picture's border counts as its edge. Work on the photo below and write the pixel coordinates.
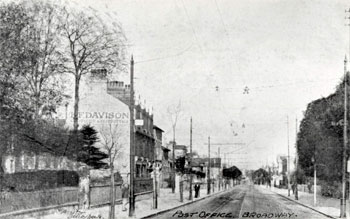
(118, 109)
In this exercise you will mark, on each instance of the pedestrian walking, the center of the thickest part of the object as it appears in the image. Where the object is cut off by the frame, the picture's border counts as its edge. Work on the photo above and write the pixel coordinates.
(309, 185)
(293, 187)
(196, 190)
(125, 196)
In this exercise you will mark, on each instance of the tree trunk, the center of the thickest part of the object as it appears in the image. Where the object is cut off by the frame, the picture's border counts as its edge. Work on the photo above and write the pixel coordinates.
(112, 194)
(37, 100)
(76, 102)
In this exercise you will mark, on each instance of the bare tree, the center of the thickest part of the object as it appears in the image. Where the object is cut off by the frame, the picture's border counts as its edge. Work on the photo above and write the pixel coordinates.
(44, 62)
(112, 144)
(91, 44)
(174, 113)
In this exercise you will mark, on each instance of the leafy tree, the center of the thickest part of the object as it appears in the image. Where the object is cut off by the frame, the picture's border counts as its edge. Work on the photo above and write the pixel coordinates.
(43, 88)
(261, 176)
(180, 164)
(13, 22)
(31, 57)
(90, 154)
(320, 139)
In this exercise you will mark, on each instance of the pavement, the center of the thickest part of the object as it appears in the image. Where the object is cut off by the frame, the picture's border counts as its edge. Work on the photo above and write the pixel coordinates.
(243, 201)
(325, 205)
(143, 207)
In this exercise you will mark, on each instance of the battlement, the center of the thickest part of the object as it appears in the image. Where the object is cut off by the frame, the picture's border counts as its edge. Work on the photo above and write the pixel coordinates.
(119, 90)
(117, 85)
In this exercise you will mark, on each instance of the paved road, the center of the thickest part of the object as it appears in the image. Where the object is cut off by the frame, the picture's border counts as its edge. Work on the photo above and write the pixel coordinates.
(244, 201)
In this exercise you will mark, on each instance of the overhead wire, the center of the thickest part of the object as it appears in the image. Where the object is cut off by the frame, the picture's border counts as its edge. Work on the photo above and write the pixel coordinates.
(166, 57)
(229, 39)
(193, 30)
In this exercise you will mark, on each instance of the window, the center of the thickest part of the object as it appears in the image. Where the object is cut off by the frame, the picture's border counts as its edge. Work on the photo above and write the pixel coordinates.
(144, 170)
(138, 170)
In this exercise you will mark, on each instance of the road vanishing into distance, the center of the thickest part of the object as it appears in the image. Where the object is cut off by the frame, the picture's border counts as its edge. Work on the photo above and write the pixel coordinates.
(243, 201)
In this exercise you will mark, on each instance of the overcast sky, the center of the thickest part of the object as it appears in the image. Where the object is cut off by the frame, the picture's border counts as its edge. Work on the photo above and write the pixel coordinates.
(287, 53)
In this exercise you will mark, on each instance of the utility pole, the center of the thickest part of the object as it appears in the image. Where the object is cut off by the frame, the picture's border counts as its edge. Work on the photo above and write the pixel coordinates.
(132, 142)
(208, 177)
(345, 141)
(219, 169)
(173, 170)
(288, 164)
(191, 157)
(296, 159)
(345, 133)
(226, 166)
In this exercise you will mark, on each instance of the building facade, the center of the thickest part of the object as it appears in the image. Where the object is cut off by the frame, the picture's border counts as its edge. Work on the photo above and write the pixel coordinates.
(158, 134)
(108, 115)
(180, 151)
(144, 143)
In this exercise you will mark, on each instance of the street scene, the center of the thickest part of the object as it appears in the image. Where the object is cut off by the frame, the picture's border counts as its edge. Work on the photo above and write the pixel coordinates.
(174, 109)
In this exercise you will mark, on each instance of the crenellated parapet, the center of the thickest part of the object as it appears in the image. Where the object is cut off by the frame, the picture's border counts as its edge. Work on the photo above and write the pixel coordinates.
(119, 90)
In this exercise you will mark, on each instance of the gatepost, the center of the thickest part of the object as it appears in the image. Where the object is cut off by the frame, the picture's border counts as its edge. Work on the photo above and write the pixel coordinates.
(84, 187)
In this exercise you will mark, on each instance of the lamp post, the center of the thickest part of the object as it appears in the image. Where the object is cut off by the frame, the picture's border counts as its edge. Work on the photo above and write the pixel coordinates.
(315, 180)
(288, 161)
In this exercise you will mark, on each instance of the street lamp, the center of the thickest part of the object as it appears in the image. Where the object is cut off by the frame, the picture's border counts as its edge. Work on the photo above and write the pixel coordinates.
(314, 163)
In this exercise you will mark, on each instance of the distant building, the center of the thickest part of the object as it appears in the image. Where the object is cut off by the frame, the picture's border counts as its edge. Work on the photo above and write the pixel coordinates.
(280, 172)
(282, 164)
(158, 134)
(201, 165)
(144, 143)
(180, 151)
(166, 168)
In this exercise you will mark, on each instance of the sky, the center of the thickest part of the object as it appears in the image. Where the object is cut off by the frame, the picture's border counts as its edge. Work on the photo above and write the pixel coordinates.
(204, 53)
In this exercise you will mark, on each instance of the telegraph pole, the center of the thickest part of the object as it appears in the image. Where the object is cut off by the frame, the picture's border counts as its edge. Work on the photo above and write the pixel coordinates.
(288, 164)
(191, 157)
(345, 133)
(219, 184)
(345, 141)
(173, 170)
(132, 142)
(208, 177)
(296, 159)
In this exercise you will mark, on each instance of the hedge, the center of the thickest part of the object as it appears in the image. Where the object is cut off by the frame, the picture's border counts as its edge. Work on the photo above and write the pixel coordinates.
(38, 180)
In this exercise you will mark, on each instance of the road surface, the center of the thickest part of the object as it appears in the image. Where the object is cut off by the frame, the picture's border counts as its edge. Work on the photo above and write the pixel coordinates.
(244, 201)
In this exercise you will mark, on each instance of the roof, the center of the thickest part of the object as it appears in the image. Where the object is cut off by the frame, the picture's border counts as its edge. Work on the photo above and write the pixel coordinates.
(180, 147)
(165, 148)
(196, 162)
(156, 127)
